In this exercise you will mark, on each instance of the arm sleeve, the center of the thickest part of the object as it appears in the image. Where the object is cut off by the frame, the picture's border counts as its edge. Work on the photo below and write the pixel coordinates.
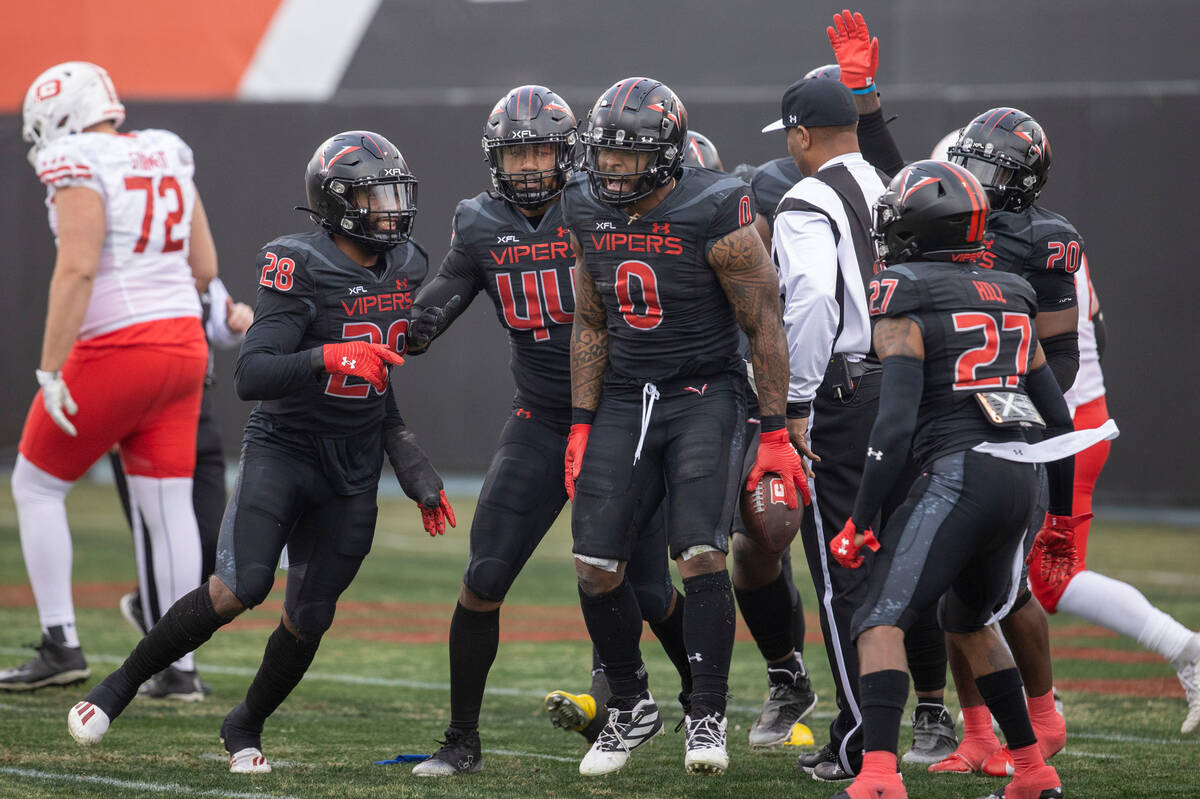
(459, 275)
(1062, 356)
(805, 253)
(877, 145)
(1047, 396)
(891, 436)
(391, 412)
(268, 366)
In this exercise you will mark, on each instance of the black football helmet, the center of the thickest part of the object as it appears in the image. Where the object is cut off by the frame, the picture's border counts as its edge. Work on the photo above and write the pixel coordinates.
(830, 71)
(932, 210)
(700, 151)
(530, 115)
(639, 115)
(359, 186)
(1009, 152)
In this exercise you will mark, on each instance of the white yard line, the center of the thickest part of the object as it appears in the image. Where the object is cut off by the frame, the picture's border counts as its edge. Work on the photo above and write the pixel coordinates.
(172, 788)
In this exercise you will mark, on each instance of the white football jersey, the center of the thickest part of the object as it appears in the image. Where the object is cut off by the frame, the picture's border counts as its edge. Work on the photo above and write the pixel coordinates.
(1089, 381)
(145, 180)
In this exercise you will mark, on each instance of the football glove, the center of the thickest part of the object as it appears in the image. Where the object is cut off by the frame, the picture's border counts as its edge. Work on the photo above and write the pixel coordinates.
(856, 52)
(430, 323)
(845, 545)
(57, 399)
(576, 445)
(361, 359)
(1054, 548)
(776, 454)
(436, 517)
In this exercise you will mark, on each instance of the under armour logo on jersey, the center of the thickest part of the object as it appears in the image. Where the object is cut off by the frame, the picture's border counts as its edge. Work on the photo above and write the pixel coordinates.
(358, 290)
(562, 231)
(699, 391)
(509, 239)
(696, 658)
(843, 547)
(877, 454)
(664, 228)
(401, 284)
(349, 362)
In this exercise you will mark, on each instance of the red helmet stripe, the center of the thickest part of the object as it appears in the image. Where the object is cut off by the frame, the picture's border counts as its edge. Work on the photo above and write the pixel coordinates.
(696, 152)
(382, 154)
(978, 202)
(919, 184)
(1001, 119)
(347, 149)
(628, 92)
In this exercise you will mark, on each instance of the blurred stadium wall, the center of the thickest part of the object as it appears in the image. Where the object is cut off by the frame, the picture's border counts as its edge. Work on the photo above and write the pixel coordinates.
(255, 85)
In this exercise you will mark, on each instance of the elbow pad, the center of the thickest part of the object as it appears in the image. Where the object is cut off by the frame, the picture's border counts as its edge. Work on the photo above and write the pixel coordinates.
(1062, 355)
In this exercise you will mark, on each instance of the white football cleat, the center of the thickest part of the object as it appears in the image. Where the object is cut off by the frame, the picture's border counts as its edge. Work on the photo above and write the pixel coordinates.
(1189, 678)
(706, 752)
(248, 761)
(87, 723)
(625, 731)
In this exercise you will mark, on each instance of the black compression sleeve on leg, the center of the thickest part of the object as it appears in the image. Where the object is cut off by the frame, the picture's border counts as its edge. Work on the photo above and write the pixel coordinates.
(883, 695)
(474, 639)
(767, 611)
(708, 628)
(925, 645)
(669, 632)
(1005, 697)
(1043, 389)
(614, 622)
(1062, 355)
(887, 449)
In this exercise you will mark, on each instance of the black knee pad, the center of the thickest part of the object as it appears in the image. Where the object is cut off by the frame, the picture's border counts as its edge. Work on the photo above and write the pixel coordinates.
(654, 599)
(252, 583)
(489, 578)
(312, 618)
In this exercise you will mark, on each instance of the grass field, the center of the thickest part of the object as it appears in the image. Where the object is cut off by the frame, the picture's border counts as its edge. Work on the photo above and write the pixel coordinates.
(379, 685)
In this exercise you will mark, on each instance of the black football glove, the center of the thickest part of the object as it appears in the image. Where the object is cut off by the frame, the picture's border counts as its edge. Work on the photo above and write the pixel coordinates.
(429, 324)
(416, 474)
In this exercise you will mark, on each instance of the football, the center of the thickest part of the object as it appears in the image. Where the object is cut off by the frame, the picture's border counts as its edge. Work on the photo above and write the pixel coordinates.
(768, 520)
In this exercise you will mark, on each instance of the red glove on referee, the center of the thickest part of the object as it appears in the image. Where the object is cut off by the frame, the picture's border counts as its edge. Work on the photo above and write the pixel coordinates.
(436, 518)
(856, 52)
(361, 359)
(776, 454)
(845, 545)
(576, 445)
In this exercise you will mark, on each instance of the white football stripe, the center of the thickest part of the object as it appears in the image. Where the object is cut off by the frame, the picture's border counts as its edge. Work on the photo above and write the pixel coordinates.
(172, 788)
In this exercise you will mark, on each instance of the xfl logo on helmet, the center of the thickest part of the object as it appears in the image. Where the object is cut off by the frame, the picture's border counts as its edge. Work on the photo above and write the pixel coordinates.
(521, 134)
(393, 172)
(49, 89)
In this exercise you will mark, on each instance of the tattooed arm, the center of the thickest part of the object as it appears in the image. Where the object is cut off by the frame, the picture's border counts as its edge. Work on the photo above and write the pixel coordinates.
(749, 280)
(589, 339)
(901, 346)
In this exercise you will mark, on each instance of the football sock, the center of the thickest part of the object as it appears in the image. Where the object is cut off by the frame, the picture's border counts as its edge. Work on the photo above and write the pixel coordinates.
(979, 741)
(882, 695)
(879, 778)
(669, 632)
(1005, 697)
(474, 639)
(787, 671)
(284, 662)
(764, 609)
(186, 625)
(708, 628)
(63, 635)
(1124, 609)
(1050, 727)
(165, 505)
(798, 628)
(1031, 775)
(46, 545)
(614, 622)
(925, 646)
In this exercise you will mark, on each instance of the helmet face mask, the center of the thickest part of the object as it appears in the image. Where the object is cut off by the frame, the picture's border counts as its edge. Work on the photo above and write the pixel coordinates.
(634, 141)
(1007, 150)
(66, 99)
(932, 210)
(529, 144)
(359, 186)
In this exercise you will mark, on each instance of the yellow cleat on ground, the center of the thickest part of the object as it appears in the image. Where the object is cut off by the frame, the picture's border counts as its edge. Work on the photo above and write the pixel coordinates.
(570, 711)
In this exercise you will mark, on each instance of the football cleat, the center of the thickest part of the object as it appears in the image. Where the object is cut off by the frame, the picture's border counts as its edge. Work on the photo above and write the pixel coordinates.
(460, 753)
(1189, 677)
(87, 723)
(831, 772)
(625, 731)
(248, 761)
(706, 752)
(790, 700)
(956, 763)
(933, 735)
(173, 683)
(1043, 783)
(810, 760)
(131, 608)
(54, 664)
(891, 788)
(570, 711)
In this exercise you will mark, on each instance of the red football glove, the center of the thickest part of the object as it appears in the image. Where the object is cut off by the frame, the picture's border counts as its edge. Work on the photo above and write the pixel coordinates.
(436, 518)
(361, 359)
(845, 545)
(576, 445)
(1054, 547)
(776, 454)
(856, 52)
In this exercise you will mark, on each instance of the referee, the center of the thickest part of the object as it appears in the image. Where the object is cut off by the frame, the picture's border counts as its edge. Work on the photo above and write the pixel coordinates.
(822, 248)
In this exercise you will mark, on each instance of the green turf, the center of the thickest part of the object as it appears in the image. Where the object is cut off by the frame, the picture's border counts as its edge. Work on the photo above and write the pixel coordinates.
(370, 695)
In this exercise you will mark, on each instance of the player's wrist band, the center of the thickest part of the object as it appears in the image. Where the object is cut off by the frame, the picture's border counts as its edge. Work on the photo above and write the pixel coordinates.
(771, 423)
(582, 416)
(870, 87)
(798, 410)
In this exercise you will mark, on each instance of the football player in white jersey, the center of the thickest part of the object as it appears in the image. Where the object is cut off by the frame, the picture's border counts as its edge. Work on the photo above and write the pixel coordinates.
(123, 353)
(1058, 572)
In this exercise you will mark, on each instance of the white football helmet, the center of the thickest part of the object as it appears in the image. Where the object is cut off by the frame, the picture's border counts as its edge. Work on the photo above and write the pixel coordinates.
(65, 99)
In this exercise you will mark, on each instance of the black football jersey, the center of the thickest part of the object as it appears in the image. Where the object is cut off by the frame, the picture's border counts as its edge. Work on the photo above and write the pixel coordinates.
(528, 272)
(771, 181)
(1040, 246)
(667, 315)
(311, 294)
(978, 333)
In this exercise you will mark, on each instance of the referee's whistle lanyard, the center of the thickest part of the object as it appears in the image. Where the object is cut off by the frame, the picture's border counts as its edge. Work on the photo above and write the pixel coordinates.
(649, 395)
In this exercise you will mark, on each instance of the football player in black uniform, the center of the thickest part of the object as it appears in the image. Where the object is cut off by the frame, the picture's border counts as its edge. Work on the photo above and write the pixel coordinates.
(330, 320)
(961, 367)
(668, 269)
(512, 244)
